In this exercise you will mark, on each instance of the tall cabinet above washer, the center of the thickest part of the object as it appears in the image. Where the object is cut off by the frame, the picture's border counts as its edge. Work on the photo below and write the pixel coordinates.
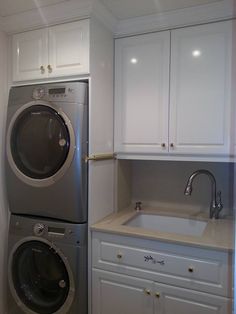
(59, 50)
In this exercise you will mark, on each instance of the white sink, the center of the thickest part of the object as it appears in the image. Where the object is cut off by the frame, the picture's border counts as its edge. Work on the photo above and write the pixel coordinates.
(168, 224)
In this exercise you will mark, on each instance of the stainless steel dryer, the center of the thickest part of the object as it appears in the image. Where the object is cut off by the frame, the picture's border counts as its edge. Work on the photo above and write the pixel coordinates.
(47, 140)
(47, 267)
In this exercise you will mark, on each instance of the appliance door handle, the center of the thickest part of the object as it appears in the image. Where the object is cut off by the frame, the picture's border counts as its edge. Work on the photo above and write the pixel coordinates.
(98, 157)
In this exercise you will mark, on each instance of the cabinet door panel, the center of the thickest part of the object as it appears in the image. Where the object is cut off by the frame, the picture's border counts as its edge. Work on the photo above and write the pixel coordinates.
(120, 294)
(69, 49)
(30, 52)
(175, 300)
(200, 89)
(141, 93)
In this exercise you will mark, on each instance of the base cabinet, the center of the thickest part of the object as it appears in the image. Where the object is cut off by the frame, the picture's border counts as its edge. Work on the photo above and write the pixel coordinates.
(120, 294)
(133, 275)
(116, 294)
(176, 300)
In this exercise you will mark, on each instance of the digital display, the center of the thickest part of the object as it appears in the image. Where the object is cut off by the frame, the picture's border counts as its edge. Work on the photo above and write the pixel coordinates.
(56, 230)
(56, 91)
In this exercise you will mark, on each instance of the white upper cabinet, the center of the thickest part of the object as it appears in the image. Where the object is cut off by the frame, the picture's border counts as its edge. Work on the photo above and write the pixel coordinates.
(200, 89)
(60, 50)
(141, 93)
(30, 55)
(69, 48)
(174, 101)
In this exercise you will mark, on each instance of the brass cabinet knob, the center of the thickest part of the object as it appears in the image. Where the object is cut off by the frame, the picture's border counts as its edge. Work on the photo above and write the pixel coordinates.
(191, 269)
(157, 295)
(42, 69)
(49, 68)
(163, 145)
(119, 255)
(147, 291)
(172, 145)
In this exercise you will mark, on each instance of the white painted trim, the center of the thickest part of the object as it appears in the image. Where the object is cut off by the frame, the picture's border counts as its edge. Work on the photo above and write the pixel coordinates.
(176, 157)
(47, 16)
(51, 80)
(178, 18)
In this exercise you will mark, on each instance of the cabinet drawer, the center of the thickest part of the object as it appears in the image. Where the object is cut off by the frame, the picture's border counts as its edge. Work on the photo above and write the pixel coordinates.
(185, 266)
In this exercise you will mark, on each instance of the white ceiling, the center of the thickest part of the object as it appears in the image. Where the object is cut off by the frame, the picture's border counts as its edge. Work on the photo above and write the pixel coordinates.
(10, 7)
(121, 9)
(124, 9)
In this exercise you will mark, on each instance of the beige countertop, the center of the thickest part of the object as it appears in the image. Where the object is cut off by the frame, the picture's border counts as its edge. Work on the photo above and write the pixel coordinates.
(218, 234)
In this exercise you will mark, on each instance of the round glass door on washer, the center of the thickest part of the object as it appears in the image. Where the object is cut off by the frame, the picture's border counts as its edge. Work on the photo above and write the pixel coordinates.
(47, 267)
(47, 140)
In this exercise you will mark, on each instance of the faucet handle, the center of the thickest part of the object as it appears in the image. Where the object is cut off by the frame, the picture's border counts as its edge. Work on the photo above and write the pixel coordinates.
(138, 206)
(219, 202)
(219, 205)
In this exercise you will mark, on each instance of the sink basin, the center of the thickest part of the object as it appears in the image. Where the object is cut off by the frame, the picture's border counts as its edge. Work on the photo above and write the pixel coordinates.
(168, 224)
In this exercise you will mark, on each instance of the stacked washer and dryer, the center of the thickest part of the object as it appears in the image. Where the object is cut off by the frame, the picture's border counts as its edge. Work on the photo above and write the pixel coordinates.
(46, 177)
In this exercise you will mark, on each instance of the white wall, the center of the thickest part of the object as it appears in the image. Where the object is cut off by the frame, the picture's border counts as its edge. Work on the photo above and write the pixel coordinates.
(3, 207)
(101, 173)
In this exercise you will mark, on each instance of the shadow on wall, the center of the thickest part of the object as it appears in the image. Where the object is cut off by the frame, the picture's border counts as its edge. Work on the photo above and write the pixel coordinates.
(3, 203)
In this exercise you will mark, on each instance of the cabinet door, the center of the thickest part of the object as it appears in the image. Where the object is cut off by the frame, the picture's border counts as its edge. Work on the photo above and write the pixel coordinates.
(30, 55)
(141, 93)
(120, 294)
(200, 89)
(69, 49)
(175, 300)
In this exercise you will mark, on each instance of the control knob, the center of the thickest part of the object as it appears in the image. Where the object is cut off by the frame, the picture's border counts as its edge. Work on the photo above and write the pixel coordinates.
(39, 229)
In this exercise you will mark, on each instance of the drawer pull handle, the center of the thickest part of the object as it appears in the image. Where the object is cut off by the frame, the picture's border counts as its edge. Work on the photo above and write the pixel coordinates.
(119, 255)
(49, 68)
(42, 69)
(157, 295)
(172, 145)
(147, 291)
(163, 145)
(191, 269)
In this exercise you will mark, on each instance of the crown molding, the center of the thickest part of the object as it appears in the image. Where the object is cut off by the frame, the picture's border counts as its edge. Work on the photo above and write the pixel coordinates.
(225, 9)
(78, 9)
(46, 16)
(100, 12)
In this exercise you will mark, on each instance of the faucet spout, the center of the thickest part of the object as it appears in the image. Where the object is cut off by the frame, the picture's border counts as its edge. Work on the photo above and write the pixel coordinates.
(215, 207)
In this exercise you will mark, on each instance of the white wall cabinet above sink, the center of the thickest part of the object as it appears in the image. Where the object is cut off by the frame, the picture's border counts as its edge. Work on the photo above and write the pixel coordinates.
(61, 50)
(173, 92)
(141, 93)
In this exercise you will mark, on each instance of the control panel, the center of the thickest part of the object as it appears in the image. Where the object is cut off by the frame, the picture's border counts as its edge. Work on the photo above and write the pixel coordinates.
(58, 92)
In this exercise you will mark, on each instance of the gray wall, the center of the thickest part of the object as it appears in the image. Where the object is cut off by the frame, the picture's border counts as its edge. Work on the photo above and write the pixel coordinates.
(162, 184)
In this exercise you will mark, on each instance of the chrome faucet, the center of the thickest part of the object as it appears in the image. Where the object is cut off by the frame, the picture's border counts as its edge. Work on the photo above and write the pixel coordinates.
(216, 204)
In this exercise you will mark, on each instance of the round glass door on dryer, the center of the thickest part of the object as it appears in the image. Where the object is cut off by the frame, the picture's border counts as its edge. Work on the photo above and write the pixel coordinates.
(40, 143)
(40, 278)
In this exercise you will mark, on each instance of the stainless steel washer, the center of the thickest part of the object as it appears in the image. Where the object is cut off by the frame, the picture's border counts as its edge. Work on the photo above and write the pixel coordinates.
(47, 140)
(47, 267)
